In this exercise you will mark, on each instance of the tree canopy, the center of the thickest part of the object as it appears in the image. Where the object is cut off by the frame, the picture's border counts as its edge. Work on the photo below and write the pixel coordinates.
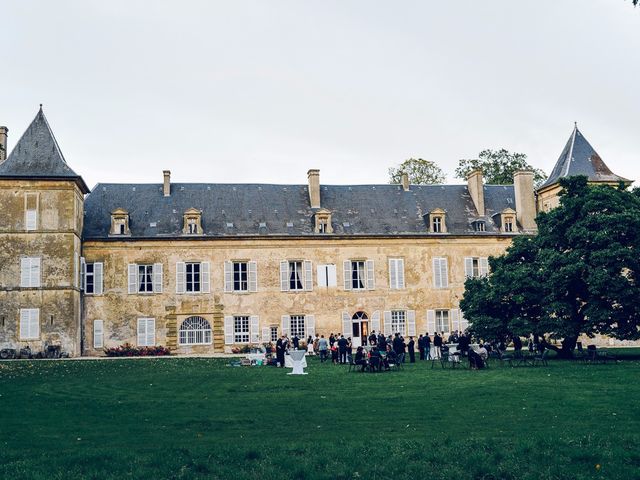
(577, 276)
(420, 171)
(498, 167)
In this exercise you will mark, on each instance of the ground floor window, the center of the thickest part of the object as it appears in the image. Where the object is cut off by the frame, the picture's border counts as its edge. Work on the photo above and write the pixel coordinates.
(297, 326)
(399, 322)
(274, 333)
(29, 323)
(146, 332)
(241, 329)
(195, 331)
(442, 321)
(98, 334)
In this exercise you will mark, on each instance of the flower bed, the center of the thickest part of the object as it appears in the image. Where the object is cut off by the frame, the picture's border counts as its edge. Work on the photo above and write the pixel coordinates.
(128, 350)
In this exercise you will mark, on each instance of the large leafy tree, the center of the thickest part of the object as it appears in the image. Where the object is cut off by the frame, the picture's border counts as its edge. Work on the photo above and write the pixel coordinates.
(577, 276)
(420, 171)
(498, 167)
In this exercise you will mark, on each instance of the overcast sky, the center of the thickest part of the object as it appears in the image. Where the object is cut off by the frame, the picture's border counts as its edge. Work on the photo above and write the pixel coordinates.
(261, 91)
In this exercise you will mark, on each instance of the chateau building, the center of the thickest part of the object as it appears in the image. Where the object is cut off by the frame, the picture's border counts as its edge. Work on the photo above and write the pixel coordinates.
(203, 267)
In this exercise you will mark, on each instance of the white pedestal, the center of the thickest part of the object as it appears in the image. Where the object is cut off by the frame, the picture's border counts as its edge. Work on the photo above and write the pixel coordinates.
(297, 362)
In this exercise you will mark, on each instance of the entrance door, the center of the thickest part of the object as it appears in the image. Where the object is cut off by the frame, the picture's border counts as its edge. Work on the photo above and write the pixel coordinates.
(359, 329)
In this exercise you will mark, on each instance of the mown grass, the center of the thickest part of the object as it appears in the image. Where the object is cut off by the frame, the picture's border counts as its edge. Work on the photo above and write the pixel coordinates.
(183, 418)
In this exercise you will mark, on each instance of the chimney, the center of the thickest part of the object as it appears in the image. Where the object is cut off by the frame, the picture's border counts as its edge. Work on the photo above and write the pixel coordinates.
(405, 181)
(314, 188)
(476, 189)
(525, 200)
(166, 188)
(3, 143)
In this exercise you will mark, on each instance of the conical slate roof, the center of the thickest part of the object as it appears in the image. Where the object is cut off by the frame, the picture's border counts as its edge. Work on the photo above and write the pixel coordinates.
(579, 158)
(37, 155)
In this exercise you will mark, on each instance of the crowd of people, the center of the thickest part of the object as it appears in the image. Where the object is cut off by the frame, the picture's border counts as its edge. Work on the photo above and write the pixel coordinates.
(383, 350)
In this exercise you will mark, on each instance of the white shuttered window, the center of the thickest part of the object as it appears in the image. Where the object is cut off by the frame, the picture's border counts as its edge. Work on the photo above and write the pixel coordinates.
(29, 323)
(440, 272)
(146, 332)
(396, 273)
(30, 272)
(98, 334)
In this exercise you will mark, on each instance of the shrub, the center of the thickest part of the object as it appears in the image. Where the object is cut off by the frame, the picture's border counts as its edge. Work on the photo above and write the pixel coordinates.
(128, 350)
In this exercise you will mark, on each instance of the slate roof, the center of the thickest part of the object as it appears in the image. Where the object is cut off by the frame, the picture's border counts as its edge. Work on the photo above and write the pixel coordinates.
(579, 158)
(37, 155)
(255, 210)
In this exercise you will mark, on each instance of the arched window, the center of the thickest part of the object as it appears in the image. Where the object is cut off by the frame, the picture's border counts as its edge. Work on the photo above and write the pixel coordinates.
(195, 331)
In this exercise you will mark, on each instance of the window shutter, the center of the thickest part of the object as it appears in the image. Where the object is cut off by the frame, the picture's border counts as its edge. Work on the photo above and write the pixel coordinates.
(228, 330)
(205, 277)
(284, 276)
(76, 270)
(437, 273)
(98, 275)
(464, 323)
(266, 334)
(347, 274)
(35, 272)
(133, 277)
(253, 276)
(308, 276)
(285, 324)
(181, 272)
(31, 219)
(254, 329)
(322, 275)
(157, 278)
(484, 266)
(151, 331)
(375, 321)
(400, 272)
(468, 267)
(431, 321)
(387, 322)
(454, 314)
(331, 276)
(25, 272)
(228, 276)
(310, 323)
(444, 272)
(393, 274)
(371, 280)
(83, 274)
(98, 334)
(142, 331)
(411, 323)
(29, 323)
(346, 324)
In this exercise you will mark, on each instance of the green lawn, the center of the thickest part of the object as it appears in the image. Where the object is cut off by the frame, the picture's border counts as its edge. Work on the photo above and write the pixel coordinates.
(197, 418)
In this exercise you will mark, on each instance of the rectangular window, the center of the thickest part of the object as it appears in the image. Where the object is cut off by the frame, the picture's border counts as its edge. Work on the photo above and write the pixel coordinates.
(437, 224)
(240, 277)
(508, 224)
(358, 275)
(327, 275)
(92, 278)
(399, 322)
(442, 321)
(98, 334)
(475, 267)
(440, 272)
(396, 273)
(29, 323)
(241, 329)
(145, 278)
(31, 211)
(30, 272)
(297, 326)
(89, 279)
(273, 331)
(192, 277)
(146, 332)
(296, 275)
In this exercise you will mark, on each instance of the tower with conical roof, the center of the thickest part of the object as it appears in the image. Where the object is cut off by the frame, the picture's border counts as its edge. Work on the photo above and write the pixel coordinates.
(577, 158)
(41, 216)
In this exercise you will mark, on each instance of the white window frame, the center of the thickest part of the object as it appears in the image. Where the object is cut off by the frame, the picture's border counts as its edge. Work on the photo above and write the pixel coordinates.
(476, 267)
(98, 334)
(193, 284)
(399, 322)
(396, 273)
(30, 272)
(240, 276)
(442, 318)
(361, 280)
(29, 323)
(97, 278)
(146, 332)
(440, 272)
(153, 271)
(199, 336)
(302, 270)
(30, 214)
(327, 275)
(273, 333)
(241, 329)
(297, 325)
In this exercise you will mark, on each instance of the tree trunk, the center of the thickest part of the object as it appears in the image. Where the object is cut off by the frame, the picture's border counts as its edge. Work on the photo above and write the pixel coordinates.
(568, 345)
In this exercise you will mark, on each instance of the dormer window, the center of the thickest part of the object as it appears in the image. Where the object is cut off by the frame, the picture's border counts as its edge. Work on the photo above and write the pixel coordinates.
(120, 222)
(508, 220)
(437, 221)
(192, 222)
(323, 221)
(480, 226)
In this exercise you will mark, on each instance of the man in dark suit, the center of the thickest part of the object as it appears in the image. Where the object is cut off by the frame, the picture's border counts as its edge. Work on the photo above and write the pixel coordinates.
(342, 349)
(421, 346)
(382, 342)
(296, 341)
(280, 351)
(427, 346)
(398, 346)
(412, 352)
(373, 339)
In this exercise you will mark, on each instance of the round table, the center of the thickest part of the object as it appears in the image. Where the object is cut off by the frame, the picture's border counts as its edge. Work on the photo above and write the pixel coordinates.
(298, 362)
